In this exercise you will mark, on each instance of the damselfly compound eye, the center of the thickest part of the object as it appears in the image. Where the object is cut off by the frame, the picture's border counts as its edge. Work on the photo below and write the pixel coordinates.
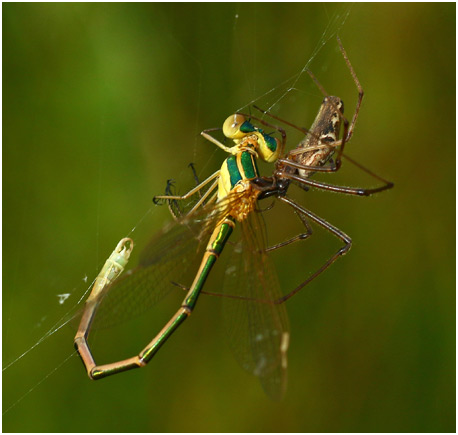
(232, 126)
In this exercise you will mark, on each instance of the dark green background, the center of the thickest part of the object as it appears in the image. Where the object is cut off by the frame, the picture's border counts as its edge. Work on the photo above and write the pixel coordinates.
(102, 103)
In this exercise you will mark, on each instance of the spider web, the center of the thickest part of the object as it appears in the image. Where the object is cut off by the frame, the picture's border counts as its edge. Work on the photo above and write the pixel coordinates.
(271, 97)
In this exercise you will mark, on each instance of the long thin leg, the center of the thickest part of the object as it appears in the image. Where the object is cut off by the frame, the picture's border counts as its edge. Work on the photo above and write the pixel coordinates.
(360, 91)
(194, 173)
(302, 212)
(175, 208)
(301, 236)
(326, 225)
(304, 130)
(200, 202)
(347, 190)
(333, 168)
(292, 163)
(215, 141)
(191, 192)
(368, 171)
(205, 196)
(298, 237)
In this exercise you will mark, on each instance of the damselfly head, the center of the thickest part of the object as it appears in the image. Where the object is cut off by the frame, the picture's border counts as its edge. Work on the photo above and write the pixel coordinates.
(237, 126)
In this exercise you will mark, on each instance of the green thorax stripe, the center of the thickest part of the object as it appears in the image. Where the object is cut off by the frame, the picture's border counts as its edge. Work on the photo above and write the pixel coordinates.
(248, 163)
(234, 172)
(241, 167)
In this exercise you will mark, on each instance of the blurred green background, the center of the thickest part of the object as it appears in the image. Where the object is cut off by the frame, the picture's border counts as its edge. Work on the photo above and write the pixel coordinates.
(102, 103)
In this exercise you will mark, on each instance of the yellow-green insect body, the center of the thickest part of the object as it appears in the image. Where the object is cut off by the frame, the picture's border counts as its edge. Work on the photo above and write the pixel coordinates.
(250, 143)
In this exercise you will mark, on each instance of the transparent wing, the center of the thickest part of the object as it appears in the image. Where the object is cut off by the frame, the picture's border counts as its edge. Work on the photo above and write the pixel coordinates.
(257, 328)
(165, 261)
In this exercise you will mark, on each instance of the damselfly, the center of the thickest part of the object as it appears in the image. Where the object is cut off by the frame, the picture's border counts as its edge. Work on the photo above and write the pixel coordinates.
(203, 233)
